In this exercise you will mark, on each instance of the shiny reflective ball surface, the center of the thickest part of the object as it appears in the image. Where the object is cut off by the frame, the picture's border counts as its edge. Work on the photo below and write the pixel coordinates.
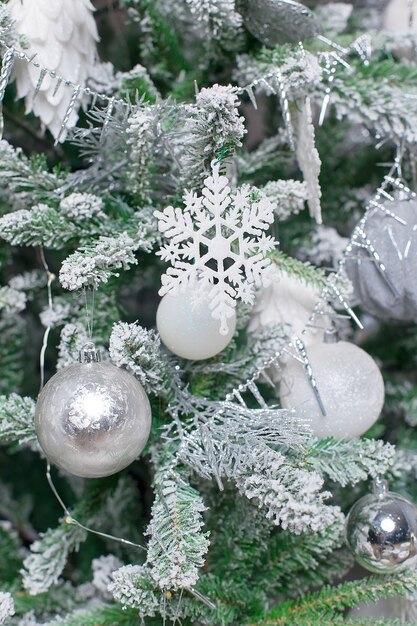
(381, 532)
(92, 419)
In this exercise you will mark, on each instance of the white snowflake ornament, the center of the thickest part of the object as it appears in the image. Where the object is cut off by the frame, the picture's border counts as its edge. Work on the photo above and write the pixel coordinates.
(218, 244)
(62, 34)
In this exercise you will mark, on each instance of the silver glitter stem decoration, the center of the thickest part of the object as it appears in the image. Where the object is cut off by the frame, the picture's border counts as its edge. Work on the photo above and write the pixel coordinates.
(106, 119)
(39, 83)
(69, 110)
(308, 369)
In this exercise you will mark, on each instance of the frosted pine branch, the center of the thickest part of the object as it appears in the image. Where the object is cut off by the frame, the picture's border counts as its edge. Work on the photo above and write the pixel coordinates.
(103, 569)
(24, 178)
(213, 127)
(12, 301)
(42, 225)
(94, 264)
(177, 544)
(288, 197)
(140, 139)
(348, 462)
(133, 586)
(139, 350)
(28, 282)
(228, 441)
(299, 70)
(17, 420)
(292, 497)
(7, 608)
(48, 557)
(73, 339)
(218, 20)
(99, 507)
(82, 206)
(381, 96)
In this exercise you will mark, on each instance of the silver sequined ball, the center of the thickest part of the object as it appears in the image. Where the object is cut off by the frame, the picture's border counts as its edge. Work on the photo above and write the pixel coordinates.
(92, 419)
(381, 531)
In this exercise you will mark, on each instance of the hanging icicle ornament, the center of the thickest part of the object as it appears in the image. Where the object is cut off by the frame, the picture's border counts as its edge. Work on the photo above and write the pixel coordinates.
(381, 531)
(187, 327)
(382, 260)
(92, 419)
(218, 245)
(275, 22)
(336, 386)
(308, 157)
(62, 36)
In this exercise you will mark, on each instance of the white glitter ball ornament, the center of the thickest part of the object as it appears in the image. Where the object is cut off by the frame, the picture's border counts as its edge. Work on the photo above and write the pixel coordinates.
(187, 328)
(350, 386)
(384, 270)
(92, 419)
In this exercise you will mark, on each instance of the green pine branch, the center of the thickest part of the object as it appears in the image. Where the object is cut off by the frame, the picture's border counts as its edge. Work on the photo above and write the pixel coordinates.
(331, 601)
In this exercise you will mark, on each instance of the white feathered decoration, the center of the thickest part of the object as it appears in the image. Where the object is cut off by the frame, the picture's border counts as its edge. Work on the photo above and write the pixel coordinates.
(63, 36)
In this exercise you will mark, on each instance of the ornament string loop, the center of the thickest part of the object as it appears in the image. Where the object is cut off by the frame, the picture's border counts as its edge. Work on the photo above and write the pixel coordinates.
(69, 519)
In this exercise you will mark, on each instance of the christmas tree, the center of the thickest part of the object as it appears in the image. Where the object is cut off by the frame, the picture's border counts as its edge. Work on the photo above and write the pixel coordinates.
(208, 257)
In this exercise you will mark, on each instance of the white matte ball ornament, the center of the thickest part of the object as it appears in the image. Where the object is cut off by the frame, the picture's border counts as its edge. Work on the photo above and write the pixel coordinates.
(92, 419)
(187, 328)
(350, 386)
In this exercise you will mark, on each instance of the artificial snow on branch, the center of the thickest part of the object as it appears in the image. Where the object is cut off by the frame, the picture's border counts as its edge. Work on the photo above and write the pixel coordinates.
(213, 128)
(94, 264)
(139, 350)
(7, 608)
(17, 420)
(48, 557)
(288, 196)
(177, 545)
(133, 586)
(349, 462)
(218, 20)
(12, 301)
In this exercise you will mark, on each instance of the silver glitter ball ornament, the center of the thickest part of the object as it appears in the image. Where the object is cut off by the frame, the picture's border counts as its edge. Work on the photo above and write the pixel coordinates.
(275, 22)
(92, 419)
(381, 531)
(386, 287)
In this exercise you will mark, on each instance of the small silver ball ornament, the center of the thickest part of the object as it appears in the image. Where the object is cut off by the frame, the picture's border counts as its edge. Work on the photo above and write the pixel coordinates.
(276, 22)
(381, 531)
(388, 292)
(92, 419)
